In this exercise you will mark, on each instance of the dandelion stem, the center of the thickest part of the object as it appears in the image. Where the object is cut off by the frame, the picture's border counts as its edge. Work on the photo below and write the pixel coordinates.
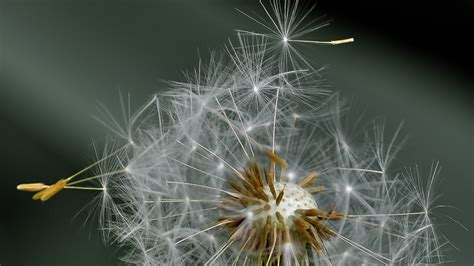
(365, 250)
(97, 176)
(219, 252)
(215, 155)
(242, 123)
(231, 127)
(273, 245)
(197, 185)
(194, 168)
(183, 213)
(255, 34)
(202, 231)
(241, 250)
(335, 42)
(274, 119)
(183, 200)
(85, 188)
(385, 214)
(360, 170)
(95, 163)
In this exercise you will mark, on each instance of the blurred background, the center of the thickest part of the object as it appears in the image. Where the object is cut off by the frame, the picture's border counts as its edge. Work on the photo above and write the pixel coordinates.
(411, 62)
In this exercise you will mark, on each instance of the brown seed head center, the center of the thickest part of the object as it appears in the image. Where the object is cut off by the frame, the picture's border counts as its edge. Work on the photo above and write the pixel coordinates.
(274, 219)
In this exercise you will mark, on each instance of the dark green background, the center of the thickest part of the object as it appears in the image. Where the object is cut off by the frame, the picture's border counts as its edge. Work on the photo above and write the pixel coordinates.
(58, 58)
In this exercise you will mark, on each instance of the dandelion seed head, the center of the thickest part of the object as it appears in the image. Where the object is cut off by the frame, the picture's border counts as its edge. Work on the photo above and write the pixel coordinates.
(284, 145)
(295, 198)
(282, 209)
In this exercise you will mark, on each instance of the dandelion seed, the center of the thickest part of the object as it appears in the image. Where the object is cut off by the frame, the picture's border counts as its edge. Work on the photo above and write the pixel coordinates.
(31, 187)
(50, 191)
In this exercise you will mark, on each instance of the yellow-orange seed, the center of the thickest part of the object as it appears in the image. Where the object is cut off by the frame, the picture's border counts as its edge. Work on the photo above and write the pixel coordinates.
(49, 192)
(31, 187)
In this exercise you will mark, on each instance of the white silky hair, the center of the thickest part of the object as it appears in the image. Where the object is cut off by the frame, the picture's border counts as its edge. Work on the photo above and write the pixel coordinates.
(184, 144)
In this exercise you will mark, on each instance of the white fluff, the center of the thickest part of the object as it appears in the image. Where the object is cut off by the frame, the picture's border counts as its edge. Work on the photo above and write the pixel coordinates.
(260, 95)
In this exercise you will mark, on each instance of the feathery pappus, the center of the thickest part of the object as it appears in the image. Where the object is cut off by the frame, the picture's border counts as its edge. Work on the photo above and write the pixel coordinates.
(247, 162)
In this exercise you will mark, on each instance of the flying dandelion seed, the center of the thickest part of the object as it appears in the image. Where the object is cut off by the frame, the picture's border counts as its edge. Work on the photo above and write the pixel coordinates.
(246, 161)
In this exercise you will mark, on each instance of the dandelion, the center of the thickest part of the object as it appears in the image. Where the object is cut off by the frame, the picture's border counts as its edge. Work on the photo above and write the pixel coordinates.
(247, 161)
